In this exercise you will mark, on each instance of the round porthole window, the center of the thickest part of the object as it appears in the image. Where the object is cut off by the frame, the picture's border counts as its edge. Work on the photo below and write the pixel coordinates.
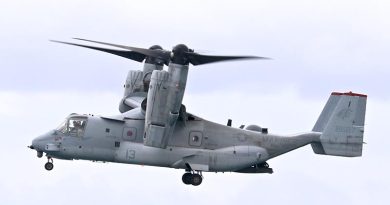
(195, 138)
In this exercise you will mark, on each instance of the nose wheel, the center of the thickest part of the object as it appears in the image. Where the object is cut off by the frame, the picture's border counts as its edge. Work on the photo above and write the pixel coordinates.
(49, 164)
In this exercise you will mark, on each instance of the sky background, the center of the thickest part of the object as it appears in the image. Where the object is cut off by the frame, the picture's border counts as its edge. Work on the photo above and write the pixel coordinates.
(317, 47)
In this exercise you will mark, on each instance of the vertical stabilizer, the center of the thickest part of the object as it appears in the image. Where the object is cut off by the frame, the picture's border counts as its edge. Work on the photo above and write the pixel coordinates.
(342, 125)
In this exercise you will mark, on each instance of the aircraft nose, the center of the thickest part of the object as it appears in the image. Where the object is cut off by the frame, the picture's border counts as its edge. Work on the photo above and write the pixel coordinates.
(39, 142)
(35, 144)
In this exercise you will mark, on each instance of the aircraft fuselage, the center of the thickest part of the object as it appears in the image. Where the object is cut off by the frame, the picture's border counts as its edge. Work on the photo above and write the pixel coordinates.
(204, 145)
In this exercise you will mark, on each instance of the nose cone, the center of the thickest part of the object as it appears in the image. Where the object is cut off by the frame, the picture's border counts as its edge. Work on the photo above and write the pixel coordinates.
(34, 144)
(40, 142)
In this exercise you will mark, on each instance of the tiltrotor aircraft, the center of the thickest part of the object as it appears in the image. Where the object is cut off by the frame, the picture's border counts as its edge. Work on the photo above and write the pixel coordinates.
(155, 129)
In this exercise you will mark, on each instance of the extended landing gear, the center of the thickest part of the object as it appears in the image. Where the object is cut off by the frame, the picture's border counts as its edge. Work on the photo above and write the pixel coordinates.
(192, 178)
(49, 164)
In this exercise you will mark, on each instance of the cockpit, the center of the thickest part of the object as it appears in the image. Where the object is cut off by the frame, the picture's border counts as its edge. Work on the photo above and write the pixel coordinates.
(73, 126)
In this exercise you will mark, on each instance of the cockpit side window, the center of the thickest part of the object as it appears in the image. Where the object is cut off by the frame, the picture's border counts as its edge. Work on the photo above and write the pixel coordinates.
(74, 127)
(63, 127)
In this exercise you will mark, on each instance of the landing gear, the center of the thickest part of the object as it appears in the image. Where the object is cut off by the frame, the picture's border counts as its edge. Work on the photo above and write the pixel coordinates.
(192, 178)
(187, 178)
(49, 164)
(196, 179)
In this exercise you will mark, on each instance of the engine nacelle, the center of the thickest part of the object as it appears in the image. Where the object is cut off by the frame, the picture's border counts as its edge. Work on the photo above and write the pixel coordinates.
(147, 73)
(156, 117)
(177, 84)
(134, 84)
(137, 84)
(164, 100)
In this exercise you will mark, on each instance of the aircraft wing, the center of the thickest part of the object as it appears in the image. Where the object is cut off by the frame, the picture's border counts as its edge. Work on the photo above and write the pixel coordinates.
(131, 101)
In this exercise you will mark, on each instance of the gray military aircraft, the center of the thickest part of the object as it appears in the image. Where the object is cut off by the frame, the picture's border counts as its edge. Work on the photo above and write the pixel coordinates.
(155, 129)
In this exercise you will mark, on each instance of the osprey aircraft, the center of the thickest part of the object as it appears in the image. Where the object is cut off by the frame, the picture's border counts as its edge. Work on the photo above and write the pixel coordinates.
(155, 129)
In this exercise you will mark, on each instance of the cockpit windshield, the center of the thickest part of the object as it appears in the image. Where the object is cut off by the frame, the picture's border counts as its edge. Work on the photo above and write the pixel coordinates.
(73, 126)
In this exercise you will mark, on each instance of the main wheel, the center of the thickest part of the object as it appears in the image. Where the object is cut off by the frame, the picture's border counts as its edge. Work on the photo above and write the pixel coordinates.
(49, 166)
(196, 179)
(187, 178)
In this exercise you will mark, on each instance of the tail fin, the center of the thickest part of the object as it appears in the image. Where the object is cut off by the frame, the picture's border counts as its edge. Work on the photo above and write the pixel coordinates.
(342, 125)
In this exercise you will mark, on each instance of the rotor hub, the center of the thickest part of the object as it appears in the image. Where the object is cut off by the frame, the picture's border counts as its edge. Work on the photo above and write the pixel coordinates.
(178, 54)
(153, 60)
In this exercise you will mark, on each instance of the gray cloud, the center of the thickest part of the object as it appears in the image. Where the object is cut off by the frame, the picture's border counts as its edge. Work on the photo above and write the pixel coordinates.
(334, 45)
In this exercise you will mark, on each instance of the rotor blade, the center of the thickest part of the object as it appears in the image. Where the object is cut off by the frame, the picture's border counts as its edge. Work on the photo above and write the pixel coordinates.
(161, 54)
(199, 59)
(126, 54)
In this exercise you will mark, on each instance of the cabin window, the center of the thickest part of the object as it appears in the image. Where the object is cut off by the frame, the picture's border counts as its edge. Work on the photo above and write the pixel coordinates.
(195, 138)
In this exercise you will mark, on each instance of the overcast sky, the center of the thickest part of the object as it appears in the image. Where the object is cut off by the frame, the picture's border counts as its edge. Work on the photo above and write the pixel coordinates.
(317, 47)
